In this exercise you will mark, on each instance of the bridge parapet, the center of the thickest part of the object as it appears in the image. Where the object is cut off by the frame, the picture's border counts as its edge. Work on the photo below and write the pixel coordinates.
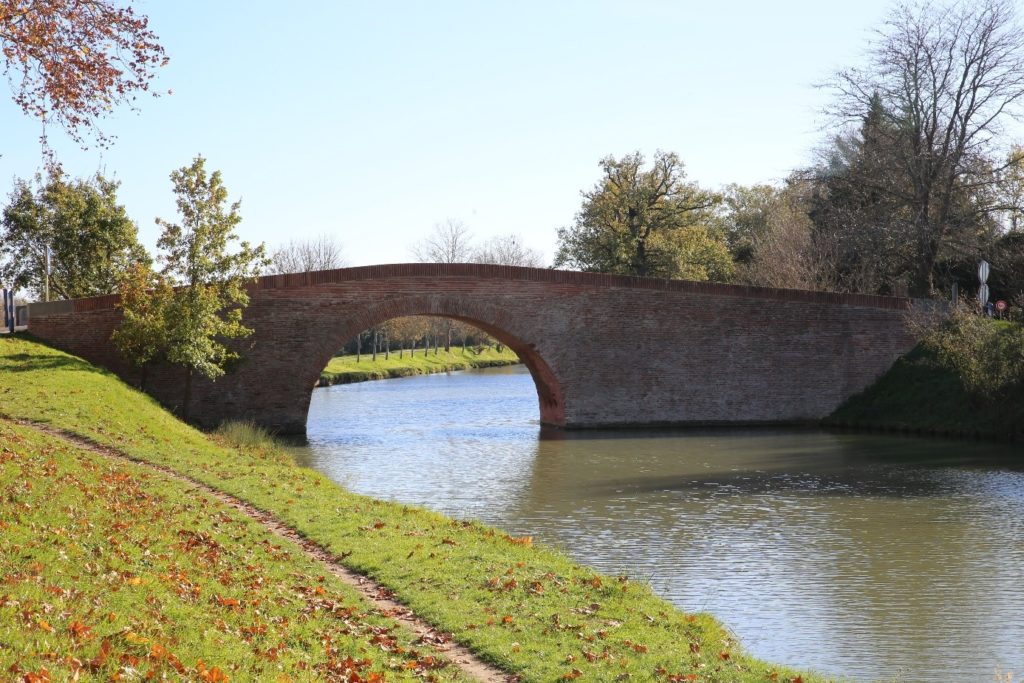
(604, 350)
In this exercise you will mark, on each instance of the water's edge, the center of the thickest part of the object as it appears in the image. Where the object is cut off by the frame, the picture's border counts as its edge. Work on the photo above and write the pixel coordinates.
(823, 549)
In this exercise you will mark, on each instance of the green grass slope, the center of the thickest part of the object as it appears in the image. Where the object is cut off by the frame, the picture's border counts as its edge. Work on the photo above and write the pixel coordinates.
(112, 571)
(345, 369)
(918, 394)
(528, 609)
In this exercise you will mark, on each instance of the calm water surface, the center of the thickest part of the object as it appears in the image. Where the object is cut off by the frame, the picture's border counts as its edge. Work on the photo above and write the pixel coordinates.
(866, 556)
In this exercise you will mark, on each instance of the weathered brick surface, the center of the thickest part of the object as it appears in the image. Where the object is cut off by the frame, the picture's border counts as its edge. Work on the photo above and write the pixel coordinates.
(604, 350)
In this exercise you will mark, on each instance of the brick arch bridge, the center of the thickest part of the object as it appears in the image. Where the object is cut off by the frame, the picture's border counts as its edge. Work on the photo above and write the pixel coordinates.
(603, 350)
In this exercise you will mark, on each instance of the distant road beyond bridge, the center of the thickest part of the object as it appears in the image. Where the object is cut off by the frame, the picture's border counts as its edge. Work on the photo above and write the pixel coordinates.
(604, 350)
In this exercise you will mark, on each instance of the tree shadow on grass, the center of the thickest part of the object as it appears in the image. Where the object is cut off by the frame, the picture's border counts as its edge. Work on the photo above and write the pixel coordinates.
(31, 362)
(40, 359)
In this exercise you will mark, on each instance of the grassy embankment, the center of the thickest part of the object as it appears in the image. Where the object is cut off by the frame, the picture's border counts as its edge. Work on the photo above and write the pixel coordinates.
(345, 369)
(528, 609)
(108, 567)
(920, 395)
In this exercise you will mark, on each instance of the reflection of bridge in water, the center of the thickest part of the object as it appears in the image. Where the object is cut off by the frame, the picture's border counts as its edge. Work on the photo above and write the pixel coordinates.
(603, 350)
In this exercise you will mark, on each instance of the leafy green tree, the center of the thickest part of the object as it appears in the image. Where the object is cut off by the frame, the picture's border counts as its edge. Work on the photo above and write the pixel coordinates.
(650, 223)
(1011, 190)
(747, 211)
(1007, 259)
(210, 271)
(142, 336)
(770, 235)
(92, 240)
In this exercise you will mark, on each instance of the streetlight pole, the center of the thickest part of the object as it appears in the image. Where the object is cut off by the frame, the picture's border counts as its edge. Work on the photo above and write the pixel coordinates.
(46, 285)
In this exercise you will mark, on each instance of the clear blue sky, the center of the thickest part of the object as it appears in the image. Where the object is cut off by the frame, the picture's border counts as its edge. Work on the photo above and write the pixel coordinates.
(374, 121)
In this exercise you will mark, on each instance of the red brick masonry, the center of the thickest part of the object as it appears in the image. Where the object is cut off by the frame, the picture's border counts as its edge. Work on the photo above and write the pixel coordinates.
(604, 350)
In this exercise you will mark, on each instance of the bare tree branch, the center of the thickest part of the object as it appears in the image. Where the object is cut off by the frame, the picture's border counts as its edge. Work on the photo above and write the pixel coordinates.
(303, 256)
(508, 250)
(448, 243)
(947, 78)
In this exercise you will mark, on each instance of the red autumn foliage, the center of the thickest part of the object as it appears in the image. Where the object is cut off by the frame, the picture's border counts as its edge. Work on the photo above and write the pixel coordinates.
(71, 61)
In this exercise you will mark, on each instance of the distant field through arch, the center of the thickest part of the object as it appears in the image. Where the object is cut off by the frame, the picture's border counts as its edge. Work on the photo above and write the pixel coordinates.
(549, 392)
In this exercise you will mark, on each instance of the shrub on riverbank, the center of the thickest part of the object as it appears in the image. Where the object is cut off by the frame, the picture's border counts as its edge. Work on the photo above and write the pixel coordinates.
(987, 355)
(530, 610)
(966, 378)
(244, 434)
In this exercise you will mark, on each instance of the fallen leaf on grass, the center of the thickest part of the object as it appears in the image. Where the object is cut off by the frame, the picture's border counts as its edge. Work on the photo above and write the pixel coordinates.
(521, 540)
(41, 676)
(78, 630)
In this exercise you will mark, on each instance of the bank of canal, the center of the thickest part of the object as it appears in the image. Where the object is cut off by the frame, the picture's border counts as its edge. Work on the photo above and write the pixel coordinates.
(351, 369)
(870, 556)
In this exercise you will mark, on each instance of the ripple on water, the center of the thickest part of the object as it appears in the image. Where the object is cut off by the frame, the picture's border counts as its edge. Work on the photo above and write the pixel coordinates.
(857, 555)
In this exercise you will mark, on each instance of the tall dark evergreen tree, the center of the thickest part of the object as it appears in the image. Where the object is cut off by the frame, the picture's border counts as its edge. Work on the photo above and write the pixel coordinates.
(858, 208)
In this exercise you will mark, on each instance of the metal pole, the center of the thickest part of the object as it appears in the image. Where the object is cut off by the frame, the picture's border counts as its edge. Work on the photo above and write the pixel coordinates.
(9, 321)
(46, 289)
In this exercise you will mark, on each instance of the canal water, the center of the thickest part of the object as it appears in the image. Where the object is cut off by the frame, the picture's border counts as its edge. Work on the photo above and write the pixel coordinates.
(872, 557)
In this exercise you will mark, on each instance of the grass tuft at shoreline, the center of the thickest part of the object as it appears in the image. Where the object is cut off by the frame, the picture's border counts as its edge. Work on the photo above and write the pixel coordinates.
(526, 608)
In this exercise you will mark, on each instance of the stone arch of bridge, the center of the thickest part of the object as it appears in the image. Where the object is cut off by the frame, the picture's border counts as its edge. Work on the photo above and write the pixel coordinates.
(491, 319)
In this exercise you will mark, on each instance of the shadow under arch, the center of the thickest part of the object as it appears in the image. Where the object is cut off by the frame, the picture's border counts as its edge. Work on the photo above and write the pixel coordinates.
(486, 317)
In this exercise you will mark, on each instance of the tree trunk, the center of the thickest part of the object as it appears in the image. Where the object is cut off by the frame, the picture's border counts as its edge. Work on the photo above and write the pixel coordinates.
(375, 346)
(924, 278)
(142, 380)
(387, 347)
(640, 267)
(359, 346)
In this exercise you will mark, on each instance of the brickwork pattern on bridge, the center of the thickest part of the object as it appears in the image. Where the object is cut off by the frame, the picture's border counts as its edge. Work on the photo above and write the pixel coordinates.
(604, 350)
